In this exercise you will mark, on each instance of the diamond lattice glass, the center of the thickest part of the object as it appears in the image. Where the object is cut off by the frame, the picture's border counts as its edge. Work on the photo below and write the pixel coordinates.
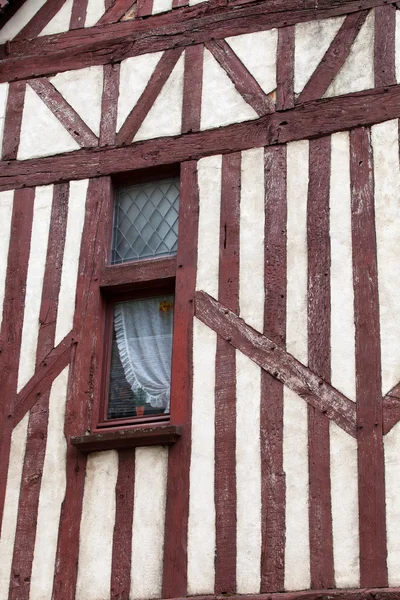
(146, 221)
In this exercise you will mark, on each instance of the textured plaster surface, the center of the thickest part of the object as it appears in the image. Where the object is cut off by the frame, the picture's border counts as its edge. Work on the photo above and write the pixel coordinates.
(95, 10)
(151, 468)
(60, 21)
(52, 493)
(392, 484)
(6, 205)
(20, 19)
(161, 6)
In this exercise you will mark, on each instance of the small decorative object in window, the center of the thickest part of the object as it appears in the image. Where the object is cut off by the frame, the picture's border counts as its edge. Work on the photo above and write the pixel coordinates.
(146, 221)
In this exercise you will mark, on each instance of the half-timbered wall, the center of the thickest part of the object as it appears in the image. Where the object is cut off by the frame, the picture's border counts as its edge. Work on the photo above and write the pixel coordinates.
(285, 120)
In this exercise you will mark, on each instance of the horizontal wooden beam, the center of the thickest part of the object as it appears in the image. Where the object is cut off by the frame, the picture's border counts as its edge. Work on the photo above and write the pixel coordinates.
(128, 438)
(311, 120)
(178, 28)
(329, 594)
(119, 277)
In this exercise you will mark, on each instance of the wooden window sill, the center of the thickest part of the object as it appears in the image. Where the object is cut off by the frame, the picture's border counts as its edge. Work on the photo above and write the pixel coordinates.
(128, 438)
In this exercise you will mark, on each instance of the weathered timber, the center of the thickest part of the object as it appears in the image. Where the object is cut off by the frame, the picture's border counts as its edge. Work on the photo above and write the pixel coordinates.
(182, 27)
(115, 12)
(13, 120)
(40, 19)
(384, 41)
(109, 105)
(128, 438)
(280, 364)
(339, 594)
(285, 68)
(192, 88)
(78, 14)
(138, 273)
(311, 120)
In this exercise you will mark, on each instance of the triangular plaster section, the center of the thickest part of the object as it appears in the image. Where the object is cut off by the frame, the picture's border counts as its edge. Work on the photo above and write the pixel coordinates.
(165, 116)
(83, 90)
(3, 105)
(134, 76)
(41, 132)
(257, 51)
(221, 104)
(20, 19)
(60, 22)
(312, 40)
(95, 10)
(357, 72)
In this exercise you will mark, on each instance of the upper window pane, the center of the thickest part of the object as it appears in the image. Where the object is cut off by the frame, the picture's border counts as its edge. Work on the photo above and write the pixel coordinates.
(146, 220)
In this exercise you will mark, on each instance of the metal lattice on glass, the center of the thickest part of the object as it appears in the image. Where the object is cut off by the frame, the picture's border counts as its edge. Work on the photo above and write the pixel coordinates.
(146, 220)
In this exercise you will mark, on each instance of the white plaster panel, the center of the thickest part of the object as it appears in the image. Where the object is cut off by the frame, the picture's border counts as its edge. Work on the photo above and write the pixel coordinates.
(397, 46)
(385, 147)
(34, 282)
(391, 443)
(97, 526)
(295, 466)
(251, 260)
(248, 475)
(41, 132)
(60, 21)
(193, 2)
(312, 40)
(221, 104)
(6, 206)
(10, 513)
(209, 180)
(20, 19)
(257, 51)
(69, 275)
(343, 369)
(83, 90)
(160, 6)
(357, 73)
(165, 116)
(151, 467)
(297, 255)
(52, 492)
(201, 524)
(344, 497)
(134, 75)
(95, 10)
(3, 105)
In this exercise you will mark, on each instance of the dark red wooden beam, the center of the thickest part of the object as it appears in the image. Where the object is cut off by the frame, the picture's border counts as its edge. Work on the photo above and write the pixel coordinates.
(354, 594)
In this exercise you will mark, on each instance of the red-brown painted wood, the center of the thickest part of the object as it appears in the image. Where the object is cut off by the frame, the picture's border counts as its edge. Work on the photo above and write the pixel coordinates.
(192, 88)
(64, 112)
(132, 274)
(177, 507)
(109, 105)
(78, 14)
(13, 119)
(346, 594)
(149, 435)
(384, 41)
(243, 81)
(285, 68)
(273, 495)
(319, 360)
(334, 58)
(179, 3)
(225, 382)
(156, 82)
(11, 326)
(39, 21)
(115, 12)
(122, 540)
(371, 485)
(144, 8)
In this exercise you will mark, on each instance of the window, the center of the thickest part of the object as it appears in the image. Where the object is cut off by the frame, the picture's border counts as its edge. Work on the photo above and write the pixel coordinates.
(138, 287)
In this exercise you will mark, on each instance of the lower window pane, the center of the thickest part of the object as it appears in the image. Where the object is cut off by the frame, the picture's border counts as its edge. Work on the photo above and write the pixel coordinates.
(140, 372)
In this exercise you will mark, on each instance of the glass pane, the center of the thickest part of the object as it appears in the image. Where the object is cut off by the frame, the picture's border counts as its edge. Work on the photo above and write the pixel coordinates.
(141, 358)
(146, 220)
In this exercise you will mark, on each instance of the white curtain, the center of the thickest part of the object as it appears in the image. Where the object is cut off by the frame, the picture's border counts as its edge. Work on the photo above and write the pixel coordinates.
(143, 331)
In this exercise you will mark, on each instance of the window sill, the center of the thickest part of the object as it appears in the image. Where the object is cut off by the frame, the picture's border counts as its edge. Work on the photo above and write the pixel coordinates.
(159, 435)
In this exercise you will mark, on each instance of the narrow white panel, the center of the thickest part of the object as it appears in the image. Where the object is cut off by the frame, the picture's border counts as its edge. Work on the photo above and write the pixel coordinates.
(83, 90)
(343, 369)
(221, 103)
(248, 475)
(397, 46)
(193, 2)
(95, 10)
(385, 145)
(60, 21)
(17, 454)
(344, 492)
(97, 526)
(3, 105)
(357, 73)
(165, 116)
(160, 6)
(6, 205)
(151, 467)
(392, 484)
(34, 282)
(20, 19)
(257, 51)
(134, 76)
(209, 178)
(41, 132)
(52, 491)
(66, 298)
(312, 40)
(297, 190)
(201, 525)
